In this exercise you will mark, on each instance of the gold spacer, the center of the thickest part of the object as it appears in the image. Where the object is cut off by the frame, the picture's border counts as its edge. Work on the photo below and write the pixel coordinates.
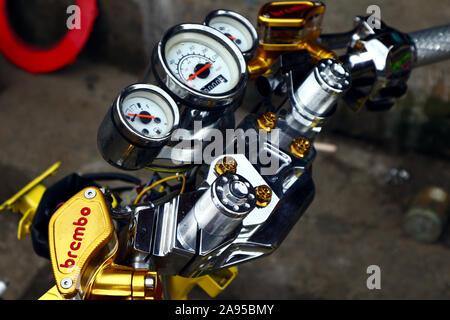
(226, 164)
(359, 45)
(300, 147)
(263, 196)
(267, 121)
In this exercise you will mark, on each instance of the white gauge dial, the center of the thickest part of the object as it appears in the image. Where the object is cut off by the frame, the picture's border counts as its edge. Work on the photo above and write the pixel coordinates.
(148, 116)
(202, 63)
(234, 30)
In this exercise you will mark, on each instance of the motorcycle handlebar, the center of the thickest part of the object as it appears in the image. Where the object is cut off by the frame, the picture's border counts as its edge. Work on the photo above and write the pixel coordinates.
(432, 45)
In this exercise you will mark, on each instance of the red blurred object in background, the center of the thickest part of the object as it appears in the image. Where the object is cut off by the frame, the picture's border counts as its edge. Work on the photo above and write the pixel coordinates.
(36, 60)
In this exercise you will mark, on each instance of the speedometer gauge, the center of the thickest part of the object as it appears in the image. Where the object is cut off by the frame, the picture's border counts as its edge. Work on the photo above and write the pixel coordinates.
(203, 68)
(235, 27)
(140, 121)
(200, 66)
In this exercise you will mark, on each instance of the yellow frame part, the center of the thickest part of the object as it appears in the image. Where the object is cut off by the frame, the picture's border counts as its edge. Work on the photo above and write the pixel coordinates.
(212, 284)
(26, 201)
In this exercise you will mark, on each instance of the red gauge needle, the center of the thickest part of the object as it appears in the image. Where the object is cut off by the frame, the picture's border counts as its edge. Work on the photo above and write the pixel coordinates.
(232, 38)
(206, 66)
(141, 115)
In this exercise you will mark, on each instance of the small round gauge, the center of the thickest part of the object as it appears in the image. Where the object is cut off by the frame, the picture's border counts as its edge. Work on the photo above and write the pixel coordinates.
(235, 27)
(200, 66)
(139, 123)
(147, 114)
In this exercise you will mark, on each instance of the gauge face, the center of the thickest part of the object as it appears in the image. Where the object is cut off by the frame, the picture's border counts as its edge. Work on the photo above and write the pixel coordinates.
(234, 30)
(202, 63)
(138, 125)
(147, 114)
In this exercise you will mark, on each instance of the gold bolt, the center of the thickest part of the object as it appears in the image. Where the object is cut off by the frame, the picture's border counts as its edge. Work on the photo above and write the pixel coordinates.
(226, 164)
(359, 45)
(300, 147)
(263, 196)
(267, 121)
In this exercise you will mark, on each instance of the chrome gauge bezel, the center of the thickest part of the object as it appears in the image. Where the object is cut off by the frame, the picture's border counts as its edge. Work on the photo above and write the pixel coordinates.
(241, 19)
(128, 131)
(181, 91)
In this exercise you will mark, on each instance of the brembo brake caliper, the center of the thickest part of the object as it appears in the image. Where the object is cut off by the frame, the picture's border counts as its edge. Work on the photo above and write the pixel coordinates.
(83, 247)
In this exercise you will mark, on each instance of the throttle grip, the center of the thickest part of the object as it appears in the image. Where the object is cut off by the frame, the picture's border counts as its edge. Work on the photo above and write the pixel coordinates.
(432, 45)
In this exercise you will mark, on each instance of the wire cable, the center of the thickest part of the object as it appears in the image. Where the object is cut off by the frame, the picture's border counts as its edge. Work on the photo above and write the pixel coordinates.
(153, 178)
(169, 170)
(144, 191)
